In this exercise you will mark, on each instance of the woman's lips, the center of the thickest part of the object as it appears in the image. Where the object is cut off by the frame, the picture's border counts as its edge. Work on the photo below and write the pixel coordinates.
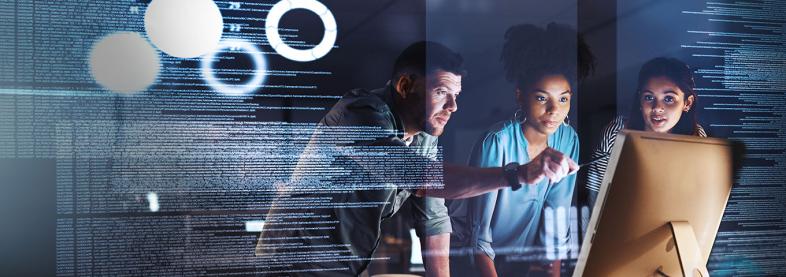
(550, 123)
(658, 120)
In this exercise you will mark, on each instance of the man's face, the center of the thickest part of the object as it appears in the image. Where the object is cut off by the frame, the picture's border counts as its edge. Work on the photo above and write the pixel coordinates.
(442, 88)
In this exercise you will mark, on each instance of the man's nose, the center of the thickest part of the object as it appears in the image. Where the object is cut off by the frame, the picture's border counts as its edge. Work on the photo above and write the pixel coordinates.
(451, 104)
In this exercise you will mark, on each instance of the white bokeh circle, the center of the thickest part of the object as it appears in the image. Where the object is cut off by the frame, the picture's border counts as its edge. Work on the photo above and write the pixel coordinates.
(274, 38)
(184, 28)
(124, 62)
(248, 48)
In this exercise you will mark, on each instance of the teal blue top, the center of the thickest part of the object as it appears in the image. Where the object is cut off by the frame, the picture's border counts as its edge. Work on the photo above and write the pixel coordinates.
(532, 223)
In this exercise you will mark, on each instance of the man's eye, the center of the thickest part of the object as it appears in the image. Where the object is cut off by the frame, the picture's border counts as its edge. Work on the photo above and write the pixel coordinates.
(441, 92)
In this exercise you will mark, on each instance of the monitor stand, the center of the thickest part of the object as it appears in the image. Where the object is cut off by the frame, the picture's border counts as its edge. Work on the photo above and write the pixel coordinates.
(691, 261)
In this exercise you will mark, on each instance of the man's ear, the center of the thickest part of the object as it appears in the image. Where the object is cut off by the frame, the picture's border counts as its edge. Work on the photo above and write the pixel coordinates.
(403, 85)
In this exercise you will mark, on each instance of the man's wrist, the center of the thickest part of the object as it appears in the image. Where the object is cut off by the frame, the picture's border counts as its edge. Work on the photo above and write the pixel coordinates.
(525, 179)
(511, 172)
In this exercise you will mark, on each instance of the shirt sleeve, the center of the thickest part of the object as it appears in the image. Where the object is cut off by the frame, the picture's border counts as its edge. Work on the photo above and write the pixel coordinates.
(597, 170)
(430, 213)
(360, 112)
(431, 216)
(472, 217)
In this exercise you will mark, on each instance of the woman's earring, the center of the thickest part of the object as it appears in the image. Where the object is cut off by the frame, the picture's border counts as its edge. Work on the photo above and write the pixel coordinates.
(519, 117)
(566, 122)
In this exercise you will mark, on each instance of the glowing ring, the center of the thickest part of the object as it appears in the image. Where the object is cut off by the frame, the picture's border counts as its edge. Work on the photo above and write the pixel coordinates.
(274, 39)
(235, 90)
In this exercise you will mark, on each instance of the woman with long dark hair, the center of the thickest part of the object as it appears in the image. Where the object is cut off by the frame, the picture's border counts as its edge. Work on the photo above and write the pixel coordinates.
(665, 102)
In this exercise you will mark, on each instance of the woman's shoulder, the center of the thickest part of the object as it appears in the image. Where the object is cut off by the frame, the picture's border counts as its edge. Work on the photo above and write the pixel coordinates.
(699, 131)
(618, 123)
(565, 136)
(566, 130)
(614, 127)
(502, 129)
(500, 133)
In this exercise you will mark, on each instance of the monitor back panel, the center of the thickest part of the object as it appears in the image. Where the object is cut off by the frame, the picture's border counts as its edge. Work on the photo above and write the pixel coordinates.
(656, 179)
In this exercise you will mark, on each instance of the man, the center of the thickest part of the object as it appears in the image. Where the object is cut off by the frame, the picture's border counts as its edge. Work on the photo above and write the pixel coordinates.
(416, 105)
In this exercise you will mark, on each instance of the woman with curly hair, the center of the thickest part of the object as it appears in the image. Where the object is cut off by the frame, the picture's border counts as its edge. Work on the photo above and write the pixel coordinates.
(509, 232)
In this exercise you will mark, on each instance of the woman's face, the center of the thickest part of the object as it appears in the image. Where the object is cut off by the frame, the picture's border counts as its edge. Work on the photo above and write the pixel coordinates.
(662, 104)
(546, 103)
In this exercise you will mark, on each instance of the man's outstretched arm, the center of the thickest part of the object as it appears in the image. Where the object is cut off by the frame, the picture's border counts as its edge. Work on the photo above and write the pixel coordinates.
(464, 181)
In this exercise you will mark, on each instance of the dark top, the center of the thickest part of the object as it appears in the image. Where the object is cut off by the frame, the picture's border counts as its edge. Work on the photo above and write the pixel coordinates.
(348, 236)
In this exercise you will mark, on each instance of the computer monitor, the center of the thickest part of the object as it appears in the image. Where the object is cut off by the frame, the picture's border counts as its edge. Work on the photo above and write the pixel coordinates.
(659, 206)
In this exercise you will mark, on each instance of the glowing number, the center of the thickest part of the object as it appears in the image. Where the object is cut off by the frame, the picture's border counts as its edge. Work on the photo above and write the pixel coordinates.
(274, 39)
(235, 90)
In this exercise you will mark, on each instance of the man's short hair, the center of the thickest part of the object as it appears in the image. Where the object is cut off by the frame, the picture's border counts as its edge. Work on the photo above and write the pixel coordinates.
(426, 57)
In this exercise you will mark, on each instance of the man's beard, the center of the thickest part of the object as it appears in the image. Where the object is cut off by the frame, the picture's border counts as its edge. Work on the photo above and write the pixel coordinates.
(434, 129)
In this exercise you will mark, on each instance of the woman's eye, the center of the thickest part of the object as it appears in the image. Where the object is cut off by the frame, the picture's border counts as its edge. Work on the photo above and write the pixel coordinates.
(669, 99)
(648, 98)
(563, 99)
(540, 98)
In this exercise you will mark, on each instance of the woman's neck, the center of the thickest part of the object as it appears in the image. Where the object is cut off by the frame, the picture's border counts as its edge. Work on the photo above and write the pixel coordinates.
(536, 141)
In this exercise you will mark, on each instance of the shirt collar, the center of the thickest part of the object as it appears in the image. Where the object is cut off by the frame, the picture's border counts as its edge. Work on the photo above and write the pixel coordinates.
(390, 99)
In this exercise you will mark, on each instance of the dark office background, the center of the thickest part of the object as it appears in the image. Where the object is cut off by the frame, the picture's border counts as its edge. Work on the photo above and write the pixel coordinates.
(621, 34)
